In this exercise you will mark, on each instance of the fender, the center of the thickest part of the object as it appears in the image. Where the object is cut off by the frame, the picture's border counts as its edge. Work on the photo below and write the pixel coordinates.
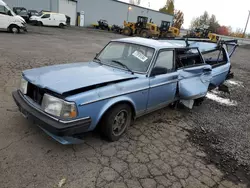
(112, 102)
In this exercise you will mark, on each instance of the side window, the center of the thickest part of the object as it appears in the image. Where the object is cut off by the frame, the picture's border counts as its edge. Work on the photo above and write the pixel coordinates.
(188, 57)
(46, 16)
(164, 63)
(214, 57)
(3, 10)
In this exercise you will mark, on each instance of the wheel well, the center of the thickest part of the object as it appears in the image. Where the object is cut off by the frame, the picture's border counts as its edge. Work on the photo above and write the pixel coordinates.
(118, 103)
(11, 25)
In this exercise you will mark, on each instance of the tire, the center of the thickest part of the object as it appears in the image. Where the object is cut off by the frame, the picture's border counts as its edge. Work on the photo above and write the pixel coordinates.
(61, 25)
(145, 34)
(14, 29)
(116, 121)
(40, 23)
(127, 31)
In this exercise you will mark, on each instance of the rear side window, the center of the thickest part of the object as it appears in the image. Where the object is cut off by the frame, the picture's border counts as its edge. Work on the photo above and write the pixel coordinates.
(215, 57)
(188, 57)
(46, 16)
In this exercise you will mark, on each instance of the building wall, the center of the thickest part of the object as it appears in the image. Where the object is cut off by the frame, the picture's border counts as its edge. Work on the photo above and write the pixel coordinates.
(51, 5)
(116, 12)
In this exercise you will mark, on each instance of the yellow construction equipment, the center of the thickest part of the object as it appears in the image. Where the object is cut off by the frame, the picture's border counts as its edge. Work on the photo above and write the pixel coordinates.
(166, 31)
(147, 29)
(141, 28)
(213, 37)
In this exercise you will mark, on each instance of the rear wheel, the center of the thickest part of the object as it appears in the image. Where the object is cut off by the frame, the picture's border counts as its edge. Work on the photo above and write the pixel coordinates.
(145, 34)
(127, 31)
(61, 25)
(14, 29)
(115, 121)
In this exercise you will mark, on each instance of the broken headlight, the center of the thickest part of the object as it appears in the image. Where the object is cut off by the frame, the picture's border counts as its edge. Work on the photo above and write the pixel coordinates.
(58, 107)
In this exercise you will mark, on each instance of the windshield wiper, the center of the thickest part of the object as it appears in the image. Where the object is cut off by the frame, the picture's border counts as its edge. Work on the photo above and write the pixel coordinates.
(123, 65)
(97, 60)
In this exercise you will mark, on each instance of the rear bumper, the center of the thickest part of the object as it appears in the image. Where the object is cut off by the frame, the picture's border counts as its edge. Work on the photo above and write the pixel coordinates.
(48, 123)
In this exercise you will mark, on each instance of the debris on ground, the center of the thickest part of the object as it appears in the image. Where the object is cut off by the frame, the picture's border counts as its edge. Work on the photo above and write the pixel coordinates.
(62, 182)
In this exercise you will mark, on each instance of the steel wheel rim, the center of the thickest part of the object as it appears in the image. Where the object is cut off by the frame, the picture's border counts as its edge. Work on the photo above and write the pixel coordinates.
(120, 122)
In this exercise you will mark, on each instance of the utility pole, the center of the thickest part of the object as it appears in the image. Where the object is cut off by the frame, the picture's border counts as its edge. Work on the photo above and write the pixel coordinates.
(246, 24)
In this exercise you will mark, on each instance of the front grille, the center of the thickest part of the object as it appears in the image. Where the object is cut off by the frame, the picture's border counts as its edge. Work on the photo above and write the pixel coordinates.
(35, 93)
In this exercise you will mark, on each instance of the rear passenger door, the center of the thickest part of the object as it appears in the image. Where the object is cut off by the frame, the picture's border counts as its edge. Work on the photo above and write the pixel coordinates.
(219, 60)
(163, 81)
(193, 74)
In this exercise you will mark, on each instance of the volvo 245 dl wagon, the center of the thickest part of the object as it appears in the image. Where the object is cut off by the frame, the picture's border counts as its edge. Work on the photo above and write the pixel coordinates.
(129, 78)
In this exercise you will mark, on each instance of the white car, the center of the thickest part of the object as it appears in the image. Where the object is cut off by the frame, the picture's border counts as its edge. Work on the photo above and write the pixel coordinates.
(9, 20)
(49, 19)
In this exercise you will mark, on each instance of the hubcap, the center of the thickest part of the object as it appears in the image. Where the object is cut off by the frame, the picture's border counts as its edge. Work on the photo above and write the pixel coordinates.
(14, 30)
(120, 122)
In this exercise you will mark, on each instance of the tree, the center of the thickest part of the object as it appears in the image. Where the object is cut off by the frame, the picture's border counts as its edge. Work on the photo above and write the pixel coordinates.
(168, 8)
(222, 30)
(213, 24)
(205, 21)
(178, 19)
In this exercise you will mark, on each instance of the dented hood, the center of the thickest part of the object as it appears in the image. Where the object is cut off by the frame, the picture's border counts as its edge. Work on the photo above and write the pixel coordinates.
(68, 77)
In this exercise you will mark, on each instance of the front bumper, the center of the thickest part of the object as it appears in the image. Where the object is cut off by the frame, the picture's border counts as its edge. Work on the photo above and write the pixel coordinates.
(49, 123)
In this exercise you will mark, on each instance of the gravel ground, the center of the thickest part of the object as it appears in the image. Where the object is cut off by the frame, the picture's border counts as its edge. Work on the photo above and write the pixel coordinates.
(207, 146)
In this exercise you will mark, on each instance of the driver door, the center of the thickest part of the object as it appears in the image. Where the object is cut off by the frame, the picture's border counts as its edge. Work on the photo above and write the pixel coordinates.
(4, 17)
(163, 81)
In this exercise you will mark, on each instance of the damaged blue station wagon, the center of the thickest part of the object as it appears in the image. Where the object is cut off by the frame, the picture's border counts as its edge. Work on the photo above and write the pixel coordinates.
(129, 78)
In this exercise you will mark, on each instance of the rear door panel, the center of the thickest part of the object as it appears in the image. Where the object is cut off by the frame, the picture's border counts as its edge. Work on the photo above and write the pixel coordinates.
(219, 74)
(194, 81)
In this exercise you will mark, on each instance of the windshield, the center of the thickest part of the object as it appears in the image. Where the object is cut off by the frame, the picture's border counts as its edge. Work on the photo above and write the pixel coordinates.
(4, 10)
(40, 14)
(135, 57)
(21, 12)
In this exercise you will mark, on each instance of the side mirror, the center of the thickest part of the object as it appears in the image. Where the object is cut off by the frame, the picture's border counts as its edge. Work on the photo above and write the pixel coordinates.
(158, 71)
(9, 13)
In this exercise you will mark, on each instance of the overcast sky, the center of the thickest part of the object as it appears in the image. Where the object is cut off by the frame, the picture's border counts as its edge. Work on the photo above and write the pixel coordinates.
(227, 12)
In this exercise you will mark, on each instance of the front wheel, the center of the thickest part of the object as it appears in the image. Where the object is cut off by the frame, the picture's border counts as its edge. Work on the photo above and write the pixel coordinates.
(115, 121)
(145, 34)
(14, 29)
(61, 25)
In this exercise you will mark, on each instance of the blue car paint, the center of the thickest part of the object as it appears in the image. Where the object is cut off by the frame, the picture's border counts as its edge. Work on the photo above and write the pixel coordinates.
(162, 89)
(94, 103)
(194, 81)
(67, 77)
(142, 92)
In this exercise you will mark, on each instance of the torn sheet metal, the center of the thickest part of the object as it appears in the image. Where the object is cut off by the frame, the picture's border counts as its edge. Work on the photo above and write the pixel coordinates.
(194, 82)
(188, 103)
